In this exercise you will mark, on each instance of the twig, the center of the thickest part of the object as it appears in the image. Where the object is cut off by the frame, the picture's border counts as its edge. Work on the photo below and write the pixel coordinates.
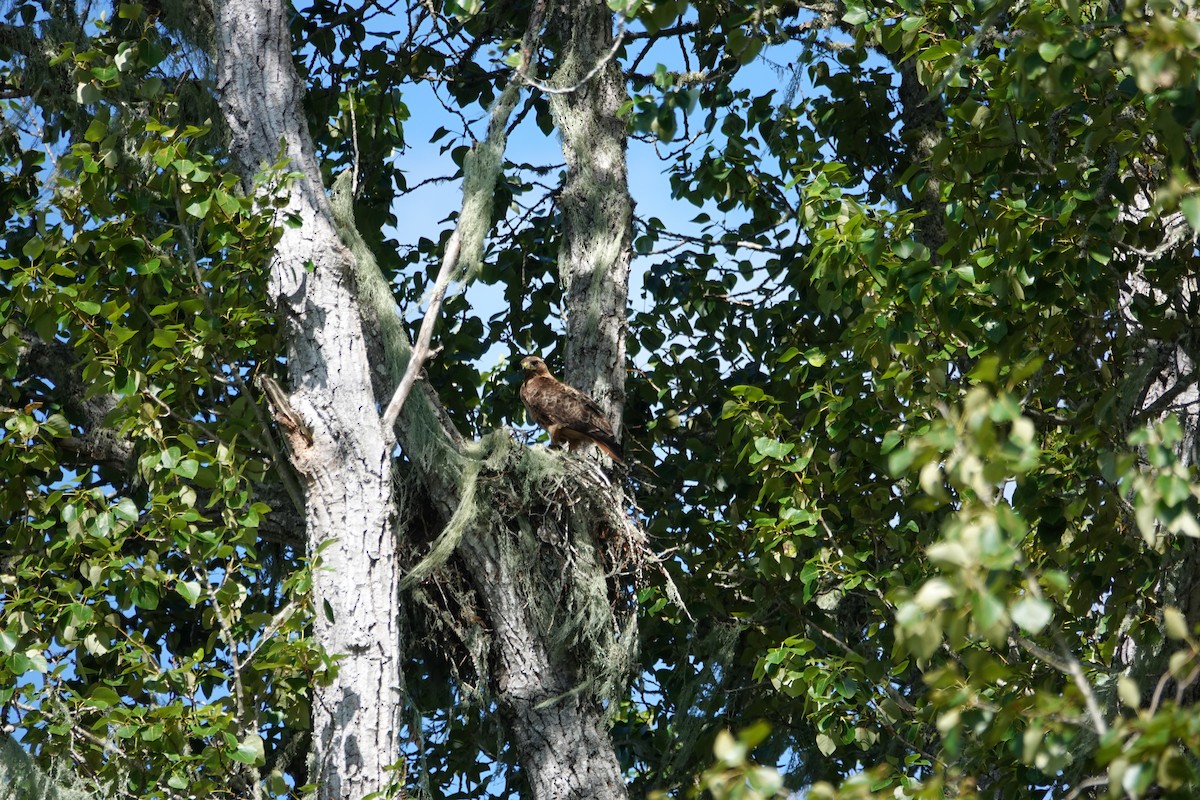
(1090, 783)
(354, 141)
(239, 695)
(618, 40)
(277, 622)
(420, 352)
(76, 728)
(1067, 664)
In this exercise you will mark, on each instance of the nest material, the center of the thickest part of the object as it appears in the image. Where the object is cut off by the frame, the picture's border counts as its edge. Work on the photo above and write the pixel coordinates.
(563, 532)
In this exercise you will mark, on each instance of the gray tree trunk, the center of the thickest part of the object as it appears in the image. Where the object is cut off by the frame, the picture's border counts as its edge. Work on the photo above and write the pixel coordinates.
(597, 211)
(335, 315)
(347, 467)
(557, 725)
(1163, 382)
(560, 732)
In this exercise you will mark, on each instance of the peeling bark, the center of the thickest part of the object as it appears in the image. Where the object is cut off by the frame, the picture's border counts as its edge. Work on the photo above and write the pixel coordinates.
(348, 467)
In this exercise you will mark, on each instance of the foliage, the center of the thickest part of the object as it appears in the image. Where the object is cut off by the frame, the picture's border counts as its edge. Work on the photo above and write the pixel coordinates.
(942, 466)
(152, 630)
(898, 390)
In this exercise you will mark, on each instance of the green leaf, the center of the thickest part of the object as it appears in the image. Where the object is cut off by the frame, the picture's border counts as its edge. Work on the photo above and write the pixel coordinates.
(145, 595)
(1031, 614)
(856, 13)
(1049, 51)
(164, 339)
(188, 590)
(126, 509)
(729, 750)
(1190, 206)
(1128, 692)
(1176, 624)
(199, 208)
(86, 94)
(773, 448)
(96, 131)
(250, 750)
(103, 697)
(33, 248)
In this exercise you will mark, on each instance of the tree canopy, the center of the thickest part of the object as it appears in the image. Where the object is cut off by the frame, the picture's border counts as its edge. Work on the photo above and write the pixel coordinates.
(907, 379)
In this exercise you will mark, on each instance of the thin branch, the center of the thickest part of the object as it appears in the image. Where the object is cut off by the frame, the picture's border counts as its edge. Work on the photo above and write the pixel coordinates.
(239, 696)
(76, 728)
(277, 622)
(618, 40)
(1090, 783)
(678, 30)
(1067, 664)
(420, 353)
(1158, 691)
(354, 140)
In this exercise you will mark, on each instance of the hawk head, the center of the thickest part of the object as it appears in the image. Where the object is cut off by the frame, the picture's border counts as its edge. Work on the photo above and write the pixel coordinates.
(534, 366)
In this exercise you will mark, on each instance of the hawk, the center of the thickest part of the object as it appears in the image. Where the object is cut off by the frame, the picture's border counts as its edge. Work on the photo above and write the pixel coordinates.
(567, 414)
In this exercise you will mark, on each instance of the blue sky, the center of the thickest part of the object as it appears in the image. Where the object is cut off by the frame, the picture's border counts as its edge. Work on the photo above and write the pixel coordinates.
(422, 211)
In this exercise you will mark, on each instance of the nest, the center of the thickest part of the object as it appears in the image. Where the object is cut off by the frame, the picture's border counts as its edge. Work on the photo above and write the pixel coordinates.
(561, 536)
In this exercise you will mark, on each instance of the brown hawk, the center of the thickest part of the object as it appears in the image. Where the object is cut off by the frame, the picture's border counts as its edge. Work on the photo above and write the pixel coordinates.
(567, 414)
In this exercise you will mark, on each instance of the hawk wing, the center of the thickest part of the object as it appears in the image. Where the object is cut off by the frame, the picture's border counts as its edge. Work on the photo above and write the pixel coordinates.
(568, 414)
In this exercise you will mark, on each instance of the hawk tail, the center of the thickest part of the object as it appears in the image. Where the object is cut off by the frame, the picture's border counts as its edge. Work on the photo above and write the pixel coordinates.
(610, 446)
(591, 434)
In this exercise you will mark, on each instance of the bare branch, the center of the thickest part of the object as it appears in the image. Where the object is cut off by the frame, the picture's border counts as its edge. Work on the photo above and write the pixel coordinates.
(420, 353)
(618, 40)
(1067, 664)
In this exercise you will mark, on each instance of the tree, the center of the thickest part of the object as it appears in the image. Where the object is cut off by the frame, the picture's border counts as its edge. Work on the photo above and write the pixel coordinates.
(912, 400)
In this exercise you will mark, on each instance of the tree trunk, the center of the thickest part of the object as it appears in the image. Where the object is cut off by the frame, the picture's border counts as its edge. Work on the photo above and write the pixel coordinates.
(347, 466)
(1163, 382)
(597, 211)
(558, 724)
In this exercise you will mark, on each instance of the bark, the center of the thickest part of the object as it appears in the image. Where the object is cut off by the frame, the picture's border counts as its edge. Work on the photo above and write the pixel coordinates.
(525, 565)
(1164, 381)
(347, 468)
(338, 313)
(597, 211)
(537, 578)
(558, 724)
(49, 370)
(920, 115)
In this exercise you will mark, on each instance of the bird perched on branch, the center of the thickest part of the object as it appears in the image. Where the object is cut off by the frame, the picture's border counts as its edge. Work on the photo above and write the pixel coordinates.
(567, 414)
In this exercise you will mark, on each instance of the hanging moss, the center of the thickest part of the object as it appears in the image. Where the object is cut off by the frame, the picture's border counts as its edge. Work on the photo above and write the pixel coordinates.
(481, 169)
(21, 779)
(558, 529)
(548, 521)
